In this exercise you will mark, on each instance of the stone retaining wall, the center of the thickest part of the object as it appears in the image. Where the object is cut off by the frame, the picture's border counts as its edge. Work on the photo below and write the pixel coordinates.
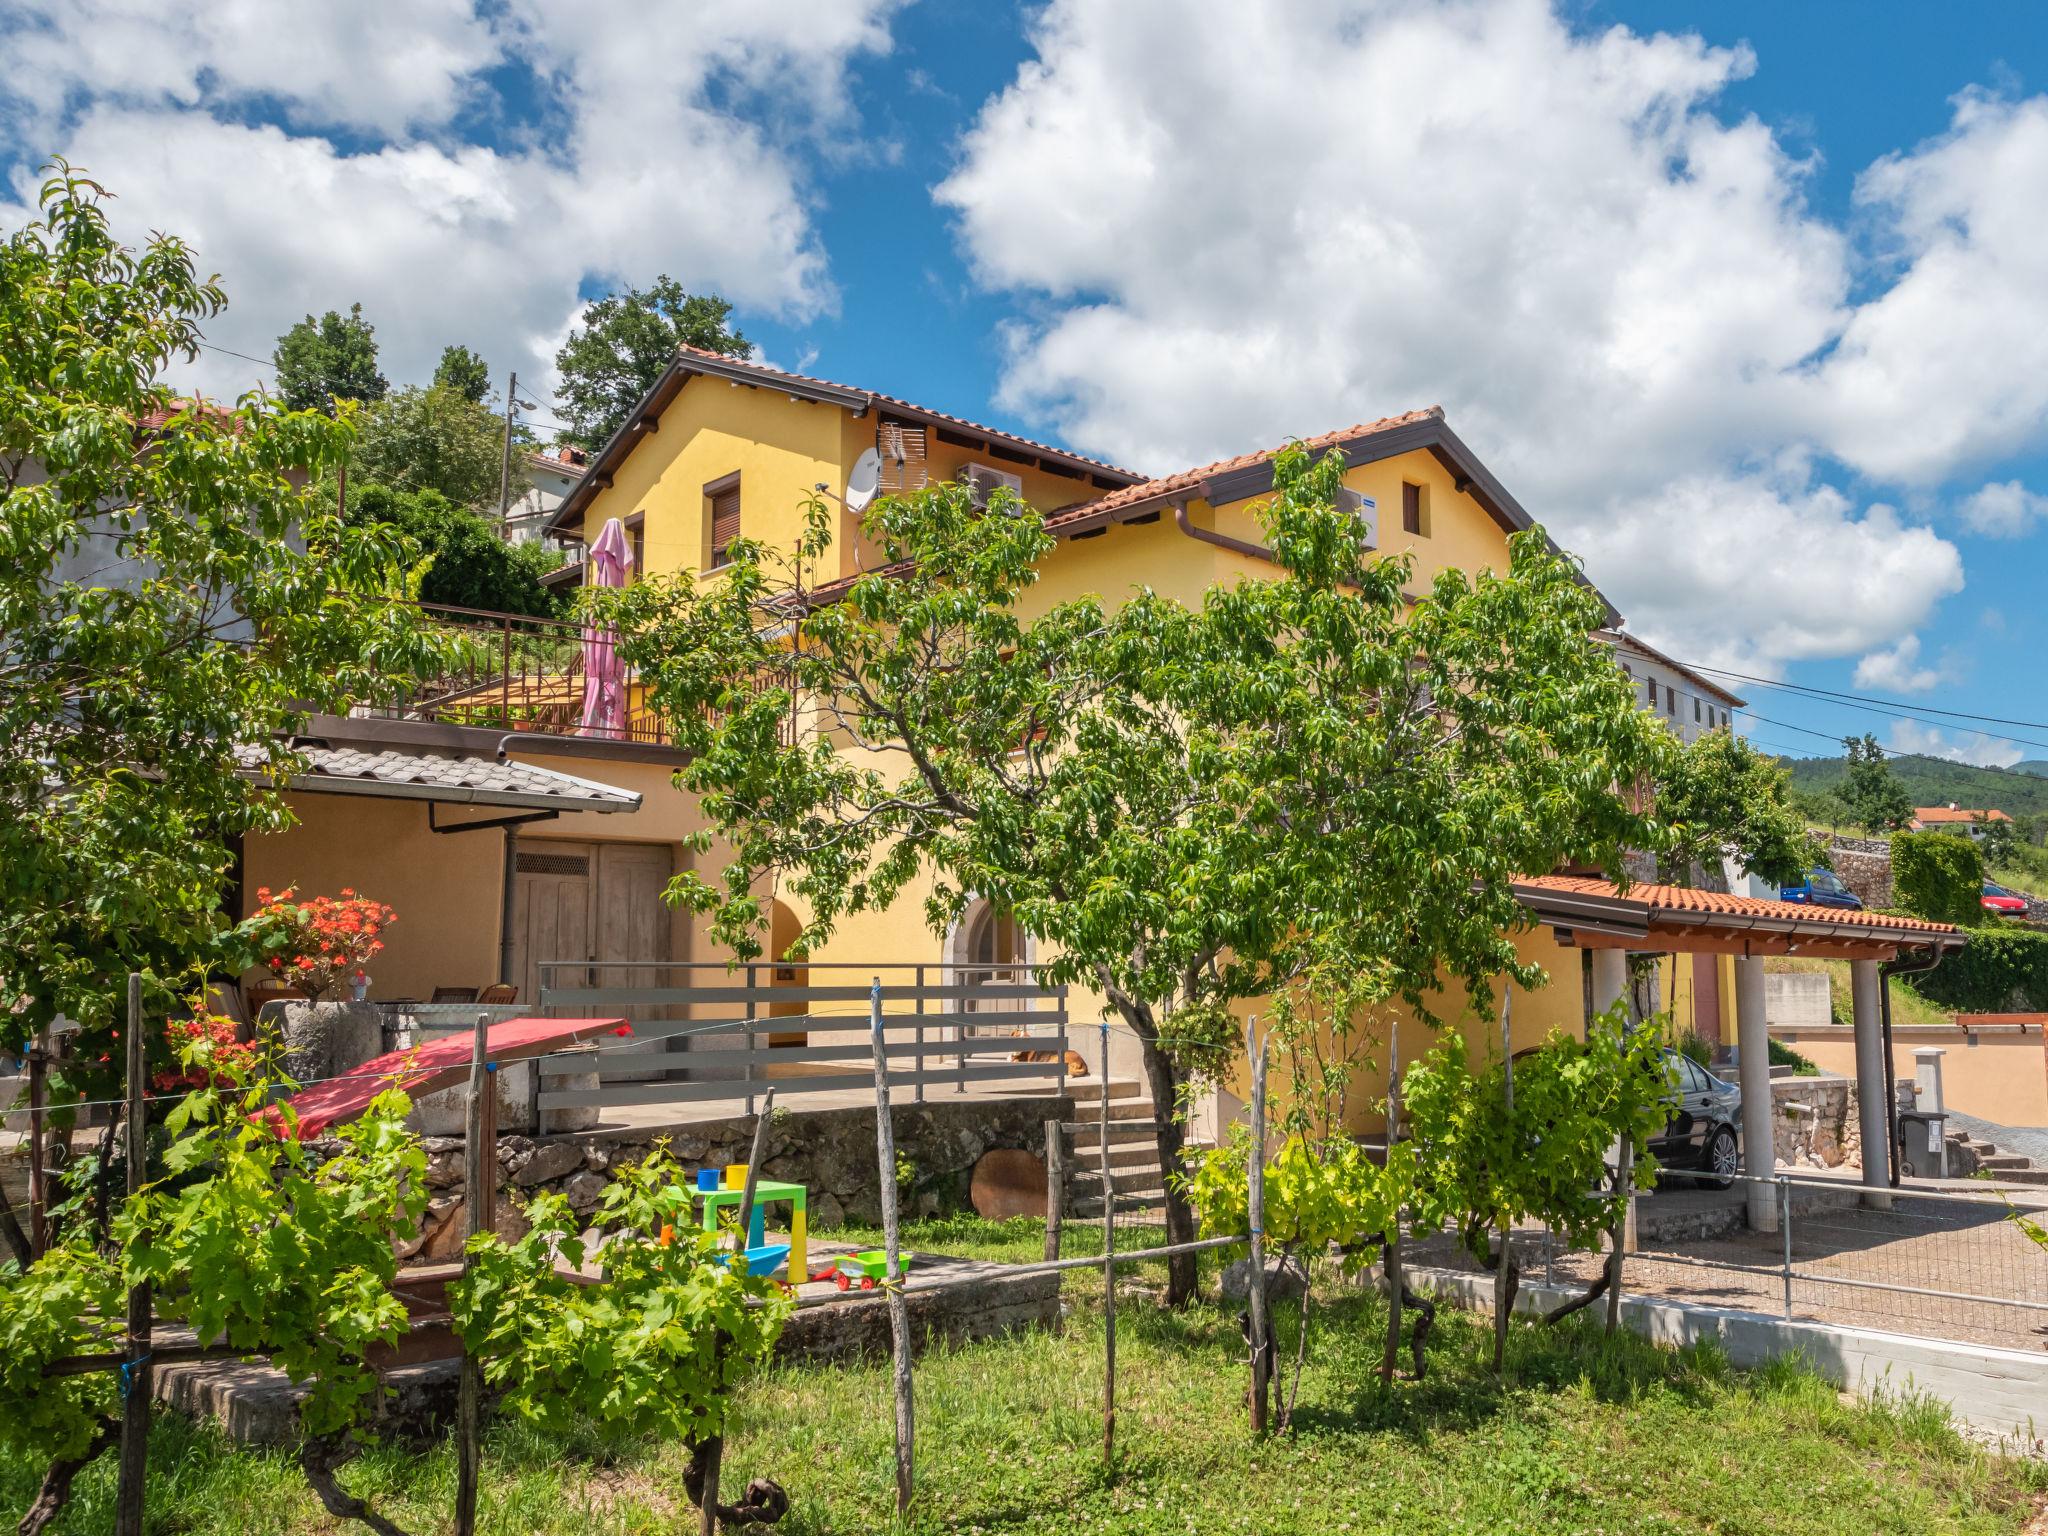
(832, 1152)
(1816, 1121)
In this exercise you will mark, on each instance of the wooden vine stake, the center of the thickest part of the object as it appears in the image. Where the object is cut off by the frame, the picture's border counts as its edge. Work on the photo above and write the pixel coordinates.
(1503, 1269)
(1055, 1186)
(899, 1307)
(1262, 1362)
(1108, 1265)
(135, 1383)
(712, 1458)
(1392, 1254)
(479, 1192)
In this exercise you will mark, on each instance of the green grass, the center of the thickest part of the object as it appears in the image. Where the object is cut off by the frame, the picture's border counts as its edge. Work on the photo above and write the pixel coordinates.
(1590, 1434)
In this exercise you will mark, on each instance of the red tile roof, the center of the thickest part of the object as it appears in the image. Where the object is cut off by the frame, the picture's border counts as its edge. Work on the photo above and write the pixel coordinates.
(921, 410)
(1190, 480)
(1951, 816)
(1680, 903)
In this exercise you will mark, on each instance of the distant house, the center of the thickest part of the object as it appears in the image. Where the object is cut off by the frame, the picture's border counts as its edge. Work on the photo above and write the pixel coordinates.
(553, 474)
(1935, 817)
(1687, 702)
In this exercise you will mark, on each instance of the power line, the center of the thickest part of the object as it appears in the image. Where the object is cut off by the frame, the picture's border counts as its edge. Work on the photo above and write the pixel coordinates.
(260, 362)
(1906, 709)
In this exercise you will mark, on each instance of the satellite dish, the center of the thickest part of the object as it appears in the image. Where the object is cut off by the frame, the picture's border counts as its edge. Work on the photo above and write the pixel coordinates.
(862, 484)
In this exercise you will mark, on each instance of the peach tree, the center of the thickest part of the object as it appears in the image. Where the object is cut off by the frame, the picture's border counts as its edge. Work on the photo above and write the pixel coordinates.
(1169, 796)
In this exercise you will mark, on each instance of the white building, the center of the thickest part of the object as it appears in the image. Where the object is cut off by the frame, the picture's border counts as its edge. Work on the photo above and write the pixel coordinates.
(1687, 702)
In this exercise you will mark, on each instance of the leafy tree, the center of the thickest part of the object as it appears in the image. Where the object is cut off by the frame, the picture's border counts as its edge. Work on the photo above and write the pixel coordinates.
(163, 626)
(1939, 877)
(1485, 1161)
(1721, 793)
(464, 372)
(625, 343)
(657, 1350)
(250, 1239)
(1870, 791)
(437, 440)
(333, 358)
(469, 566)
(1997, 838)
(1171, 799)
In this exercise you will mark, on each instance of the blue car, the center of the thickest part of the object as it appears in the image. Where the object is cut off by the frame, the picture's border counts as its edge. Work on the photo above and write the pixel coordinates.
(1823, 888)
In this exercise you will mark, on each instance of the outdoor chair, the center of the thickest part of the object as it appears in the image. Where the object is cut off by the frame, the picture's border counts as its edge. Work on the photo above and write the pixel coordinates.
(454, 994)
(499, 993)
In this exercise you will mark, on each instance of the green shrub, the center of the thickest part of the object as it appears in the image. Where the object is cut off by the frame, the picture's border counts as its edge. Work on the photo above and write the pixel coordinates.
(1998, 971)
(1938, 878)
(1785, 1056)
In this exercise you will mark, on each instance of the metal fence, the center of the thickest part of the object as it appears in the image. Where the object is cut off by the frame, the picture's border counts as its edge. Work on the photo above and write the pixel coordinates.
(1933, 1263)
(704, 1031)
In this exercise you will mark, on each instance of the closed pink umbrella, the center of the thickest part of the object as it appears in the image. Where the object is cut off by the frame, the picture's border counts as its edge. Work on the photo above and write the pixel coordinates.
(604, 675)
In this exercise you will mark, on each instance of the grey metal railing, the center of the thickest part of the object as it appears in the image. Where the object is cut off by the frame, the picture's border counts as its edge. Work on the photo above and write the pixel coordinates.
(703, 1030)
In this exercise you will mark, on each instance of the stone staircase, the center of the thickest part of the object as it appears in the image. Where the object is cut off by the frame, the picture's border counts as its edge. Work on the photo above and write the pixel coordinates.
(1969, 1154)
(1133, 1152)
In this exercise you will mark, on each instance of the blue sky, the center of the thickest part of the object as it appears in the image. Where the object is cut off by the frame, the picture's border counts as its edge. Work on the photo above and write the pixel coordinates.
(1746, 301)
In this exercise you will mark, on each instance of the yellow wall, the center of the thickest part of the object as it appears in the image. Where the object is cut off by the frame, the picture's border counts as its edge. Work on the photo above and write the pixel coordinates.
(2002, 1077)
(781, 448)
(447, 888)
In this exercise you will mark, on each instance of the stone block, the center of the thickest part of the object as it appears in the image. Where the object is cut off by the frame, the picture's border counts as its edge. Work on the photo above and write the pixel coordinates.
(1285, 1280)
(549, 1160)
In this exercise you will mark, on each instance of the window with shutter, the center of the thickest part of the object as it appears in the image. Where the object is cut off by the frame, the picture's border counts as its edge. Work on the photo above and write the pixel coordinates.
(1411, 509)
(724, 496)
(902, 451)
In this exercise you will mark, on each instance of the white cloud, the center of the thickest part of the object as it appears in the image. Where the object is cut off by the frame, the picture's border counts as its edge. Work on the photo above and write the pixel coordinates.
(1963, 747)
(1897, 669)
(658, 151)
(2004, 510)
(1233, 221)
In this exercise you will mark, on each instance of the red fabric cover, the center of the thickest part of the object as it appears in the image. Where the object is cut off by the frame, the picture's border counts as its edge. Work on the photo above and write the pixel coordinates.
(429, 1068)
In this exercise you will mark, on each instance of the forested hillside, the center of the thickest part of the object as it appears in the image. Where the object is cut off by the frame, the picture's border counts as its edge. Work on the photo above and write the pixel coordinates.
(2018, 791)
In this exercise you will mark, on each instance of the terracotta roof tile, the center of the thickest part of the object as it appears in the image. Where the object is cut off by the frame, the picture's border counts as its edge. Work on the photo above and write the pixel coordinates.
(1950, 815)
(1190, 479)
(1685, 901)
(922, 410)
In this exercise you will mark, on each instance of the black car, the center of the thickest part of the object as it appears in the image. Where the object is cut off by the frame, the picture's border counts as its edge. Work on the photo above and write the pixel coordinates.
(1705, 1128)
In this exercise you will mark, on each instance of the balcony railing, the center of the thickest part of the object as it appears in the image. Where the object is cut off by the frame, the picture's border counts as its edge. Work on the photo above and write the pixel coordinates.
(516, 674)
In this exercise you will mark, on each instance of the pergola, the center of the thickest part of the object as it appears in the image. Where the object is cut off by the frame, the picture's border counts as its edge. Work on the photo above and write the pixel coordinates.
(1597, 916)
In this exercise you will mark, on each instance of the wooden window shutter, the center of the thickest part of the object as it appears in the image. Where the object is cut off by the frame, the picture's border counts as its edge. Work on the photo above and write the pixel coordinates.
(725, 523)
(1411, 508)
(903, 452)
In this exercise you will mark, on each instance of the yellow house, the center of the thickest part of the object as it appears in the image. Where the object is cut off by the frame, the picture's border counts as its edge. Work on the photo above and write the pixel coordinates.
(506, 836)
(722, 447)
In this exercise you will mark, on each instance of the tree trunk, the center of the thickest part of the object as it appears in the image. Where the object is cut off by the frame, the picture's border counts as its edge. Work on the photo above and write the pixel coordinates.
(763, 1503)
(10, 1230)
(1592, 1294)
(1164, 1083)
(56, 1490)
(320, 1459)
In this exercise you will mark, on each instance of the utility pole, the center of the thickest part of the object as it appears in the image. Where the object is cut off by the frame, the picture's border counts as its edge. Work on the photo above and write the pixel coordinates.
(505, 464)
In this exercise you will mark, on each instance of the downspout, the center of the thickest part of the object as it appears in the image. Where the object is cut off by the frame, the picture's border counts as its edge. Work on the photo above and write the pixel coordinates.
(1220, 540)
(1886, 970)
(505, 902)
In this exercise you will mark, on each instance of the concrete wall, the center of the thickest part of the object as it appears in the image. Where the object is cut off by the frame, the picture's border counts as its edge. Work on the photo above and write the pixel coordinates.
(1797, 1000)
(1996, 1072)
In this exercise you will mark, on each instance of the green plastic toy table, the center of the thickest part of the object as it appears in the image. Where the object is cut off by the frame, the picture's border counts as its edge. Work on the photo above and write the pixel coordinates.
(797, 1195)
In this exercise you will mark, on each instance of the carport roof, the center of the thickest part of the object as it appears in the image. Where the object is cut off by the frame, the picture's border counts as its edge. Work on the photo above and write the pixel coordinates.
(1592, 913)
(450, 779)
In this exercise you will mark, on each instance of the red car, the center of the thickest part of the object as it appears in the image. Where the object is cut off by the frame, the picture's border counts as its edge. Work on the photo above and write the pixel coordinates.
(2005, 903)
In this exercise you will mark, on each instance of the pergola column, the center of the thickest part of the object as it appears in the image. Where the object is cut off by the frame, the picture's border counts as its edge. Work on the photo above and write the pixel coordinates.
(1866, 996)
(1610, 978)
(1753, 1060)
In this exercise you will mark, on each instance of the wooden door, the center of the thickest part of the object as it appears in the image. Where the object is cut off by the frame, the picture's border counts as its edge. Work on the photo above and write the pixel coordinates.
(552, 895)
(632, 923)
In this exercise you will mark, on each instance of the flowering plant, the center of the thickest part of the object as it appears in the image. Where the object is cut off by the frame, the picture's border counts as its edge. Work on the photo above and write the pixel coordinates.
(209, 1053)
(321, 943)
